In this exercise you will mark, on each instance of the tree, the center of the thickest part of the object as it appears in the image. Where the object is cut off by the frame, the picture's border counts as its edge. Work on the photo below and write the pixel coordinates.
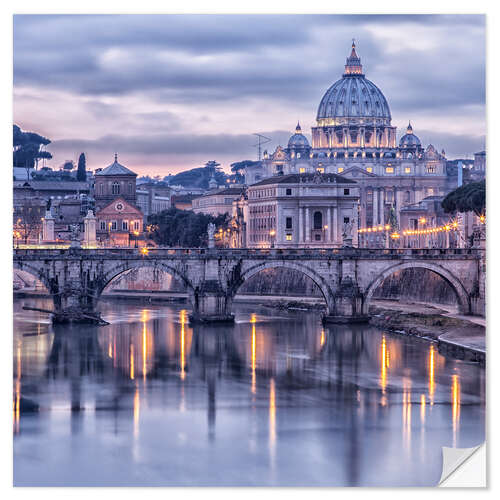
(182, 228)
(29, 218)
(27, 149)
(68, 165)
(81, 173)
(198, 177)
(467, 198)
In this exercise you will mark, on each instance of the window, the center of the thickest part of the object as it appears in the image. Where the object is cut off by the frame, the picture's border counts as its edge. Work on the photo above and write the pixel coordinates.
(346, 220)
(431, 169)
(288, 224)
(407, 170)
(101, 188)
(369, 170)
(320, 170)
(115, 188)
(288, 192)
(103, 225)
(298, 155)
(113, 225)
(346, 192)
(430, 191)
(318, 220)
(317, 237)
(288, 237)
(136, 225)
(408, 197)
(340, 170)
(124, 225)
(389, 170)
(129, 188)
(302, 170)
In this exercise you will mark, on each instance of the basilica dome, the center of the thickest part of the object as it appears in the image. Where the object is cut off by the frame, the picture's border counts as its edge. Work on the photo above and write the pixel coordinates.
(353, 96)
(298, 140)
(409, 140)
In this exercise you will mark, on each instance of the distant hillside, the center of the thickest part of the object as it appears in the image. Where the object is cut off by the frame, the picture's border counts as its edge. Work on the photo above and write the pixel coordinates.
(197, 177)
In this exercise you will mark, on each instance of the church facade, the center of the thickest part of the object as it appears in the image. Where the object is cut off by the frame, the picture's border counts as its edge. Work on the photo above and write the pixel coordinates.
(354, 138)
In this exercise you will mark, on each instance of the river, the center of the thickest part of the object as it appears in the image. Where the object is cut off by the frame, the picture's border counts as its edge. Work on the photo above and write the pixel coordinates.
(275, 399)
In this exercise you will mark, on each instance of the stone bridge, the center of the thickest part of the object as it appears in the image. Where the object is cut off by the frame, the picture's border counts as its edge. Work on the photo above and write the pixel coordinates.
(347, 277)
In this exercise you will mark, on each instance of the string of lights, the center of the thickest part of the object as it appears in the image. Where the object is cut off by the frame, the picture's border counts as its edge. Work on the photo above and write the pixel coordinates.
(451, 226)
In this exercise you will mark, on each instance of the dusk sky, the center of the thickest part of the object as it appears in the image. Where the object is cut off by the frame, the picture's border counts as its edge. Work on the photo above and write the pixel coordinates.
(170, 92)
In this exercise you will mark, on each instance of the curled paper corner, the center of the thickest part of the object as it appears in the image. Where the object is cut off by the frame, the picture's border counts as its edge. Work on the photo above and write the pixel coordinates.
(464, 467)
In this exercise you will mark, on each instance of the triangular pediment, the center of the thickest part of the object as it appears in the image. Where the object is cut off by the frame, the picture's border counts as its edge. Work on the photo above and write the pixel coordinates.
(357, 172)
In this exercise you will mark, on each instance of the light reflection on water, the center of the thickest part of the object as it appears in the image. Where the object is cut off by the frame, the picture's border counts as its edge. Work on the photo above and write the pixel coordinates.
(275, 399)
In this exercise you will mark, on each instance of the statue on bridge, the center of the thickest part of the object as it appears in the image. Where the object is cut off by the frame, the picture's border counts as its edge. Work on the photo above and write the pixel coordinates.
(211, 232)
(74, 236)
(347, 234)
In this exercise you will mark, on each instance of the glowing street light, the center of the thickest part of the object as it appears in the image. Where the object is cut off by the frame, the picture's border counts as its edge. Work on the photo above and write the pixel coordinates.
(272, 233)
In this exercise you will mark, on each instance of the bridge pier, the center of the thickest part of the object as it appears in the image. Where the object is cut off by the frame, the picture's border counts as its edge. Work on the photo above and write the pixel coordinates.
(348, 305)
(211, 304)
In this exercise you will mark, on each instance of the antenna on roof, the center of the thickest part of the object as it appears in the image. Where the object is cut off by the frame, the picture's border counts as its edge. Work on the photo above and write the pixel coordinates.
(262, 140)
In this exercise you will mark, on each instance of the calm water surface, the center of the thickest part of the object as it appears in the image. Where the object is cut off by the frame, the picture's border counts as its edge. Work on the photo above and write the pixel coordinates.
(275, 399)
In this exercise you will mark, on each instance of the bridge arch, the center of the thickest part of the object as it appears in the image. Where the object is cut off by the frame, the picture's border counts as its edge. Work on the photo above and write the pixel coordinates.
(317, 279)
(35, 272)
(453, 281)
(113, 273)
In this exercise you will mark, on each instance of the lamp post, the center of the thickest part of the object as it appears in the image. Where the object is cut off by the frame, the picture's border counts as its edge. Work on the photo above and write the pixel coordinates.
(422, 222)
(272, 233)
(325, 229)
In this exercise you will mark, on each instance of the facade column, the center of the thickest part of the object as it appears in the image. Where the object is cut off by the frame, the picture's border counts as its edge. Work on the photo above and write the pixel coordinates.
(363, 203)
(381, 206)
(301, 225)
(375, 207)
(308, 225)
(335, 228)
(328, 235)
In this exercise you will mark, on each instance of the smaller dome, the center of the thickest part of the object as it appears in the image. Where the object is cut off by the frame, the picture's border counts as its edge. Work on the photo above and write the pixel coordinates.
(298, 140)
(409, 139)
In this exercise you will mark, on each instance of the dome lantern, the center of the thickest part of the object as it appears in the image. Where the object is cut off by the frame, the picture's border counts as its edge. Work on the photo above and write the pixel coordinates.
(353, 63)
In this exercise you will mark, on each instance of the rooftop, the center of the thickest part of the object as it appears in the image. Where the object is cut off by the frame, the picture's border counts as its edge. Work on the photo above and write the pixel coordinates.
(116, 169)
(308, 178)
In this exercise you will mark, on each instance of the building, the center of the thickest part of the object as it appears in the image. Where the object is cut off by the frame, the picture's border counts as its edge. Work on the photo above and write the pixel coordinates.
(119, 223)
(302, 210)
(479, 167)
(153, 198)
(218, 201)
(113, 181)
(182, 201)
(354, 137)
(50, 189)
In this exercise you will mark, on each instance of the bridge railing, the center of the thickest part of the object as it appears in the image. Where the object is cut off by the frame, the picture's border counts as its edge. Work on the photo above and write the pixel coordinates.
(310, 253)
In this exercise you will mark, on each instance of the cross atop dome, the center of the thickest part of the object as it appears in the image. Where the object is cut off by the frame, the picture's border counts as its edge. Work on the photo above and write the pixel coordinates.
(298, 130)
(353, 62)
(409, 129)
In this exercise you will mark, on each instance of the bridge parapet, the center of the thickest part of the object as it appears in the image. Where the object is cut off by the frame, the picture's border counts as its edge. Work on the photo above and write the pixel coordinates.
(347, 277)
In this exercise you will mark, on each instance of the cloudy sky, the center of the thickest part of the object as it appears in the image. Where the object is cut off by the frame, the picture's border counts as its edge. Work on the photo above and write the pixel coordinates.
(169, 92)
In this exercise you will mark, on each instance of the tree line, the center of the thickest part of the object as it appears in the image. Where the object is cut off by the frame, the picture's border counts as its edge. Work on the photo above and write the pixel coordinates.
(182, 228)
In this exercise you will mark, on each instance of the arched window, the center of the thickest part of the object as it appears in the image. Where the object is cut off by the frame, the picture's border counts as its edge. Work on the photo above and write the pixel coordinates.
(129, 188)
(318, 220)
(115, 188)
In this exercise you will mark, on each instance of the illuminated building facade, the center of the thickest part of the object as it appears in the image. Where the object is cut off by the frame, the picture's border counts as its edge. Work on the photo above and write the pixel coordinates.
(354, 137)
(301, 210)
(113, 181)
